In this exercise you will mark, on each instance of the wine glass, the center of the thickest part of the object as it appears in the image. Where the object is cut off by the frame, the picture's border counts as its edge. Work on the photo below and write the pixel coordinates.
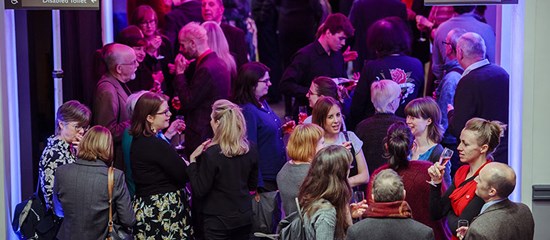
(181, 135)
(302, 114)
(358, 197)
(443, 160)
(462, 223)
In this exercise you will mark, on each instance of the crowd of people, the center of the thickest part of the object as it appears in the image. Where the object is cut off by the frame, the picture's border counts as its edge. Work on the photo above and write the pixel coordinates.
(372, 131)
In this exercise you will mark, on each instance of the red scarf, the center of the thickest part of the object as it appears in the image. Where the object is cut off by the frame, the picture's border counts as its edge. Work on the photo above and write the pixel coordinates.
(397, 209)
(462, 195)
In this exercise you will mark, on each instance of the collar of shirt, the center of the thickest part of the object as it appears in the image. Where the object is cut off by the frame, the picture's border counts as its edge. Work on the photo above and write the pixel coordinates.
(203, 55)
(491, 203)
(320, 50)
(161, 136)
(474, 66)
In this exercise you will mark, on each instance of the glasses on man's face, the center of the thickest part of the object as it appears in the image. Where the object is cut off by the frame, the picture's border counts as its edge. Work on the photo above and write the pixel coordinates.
(165, 112)
(450, 45)
(148, 22)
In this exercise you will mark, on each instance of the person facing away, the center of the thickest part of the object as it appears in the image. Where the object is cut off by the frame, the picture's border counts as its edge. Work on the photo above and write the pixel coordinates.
(109, 109)
(81, 190)
(389, 216)
(499, 218)
(481, 92)
(385, 96)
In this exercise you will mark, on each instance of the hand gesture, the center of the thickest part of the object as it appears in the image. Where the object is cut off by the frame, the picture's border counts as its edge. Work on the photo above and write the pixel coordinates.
(347, 145)
(450, 107)
(76, 142)
(177, 126)
(349, 55)
(288, 127)
(436, 172)
(181, 63)
(461, 232)
(358, 209)
(200, 149)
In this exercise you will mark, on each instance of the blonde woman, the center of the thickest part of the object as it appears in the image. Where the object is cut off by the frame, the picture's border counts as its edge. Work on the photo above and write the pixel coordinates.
(218, 43)
(80, 190)
(306, 140)
(222, 172)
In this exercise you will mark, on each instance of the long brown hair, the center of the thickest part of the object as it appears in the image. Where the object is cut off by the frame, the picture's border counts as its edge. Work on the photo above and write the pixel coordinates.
(97, 144)
(148, 104)
(328, 179)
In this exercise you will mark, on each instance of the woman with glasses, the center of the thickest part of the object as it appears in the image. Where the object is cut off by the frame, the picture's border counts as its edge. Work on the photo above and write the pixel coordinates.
(263, 126)
(159, 174)
(160, 54)
(71, 122)
(326, 87)
(327, 114)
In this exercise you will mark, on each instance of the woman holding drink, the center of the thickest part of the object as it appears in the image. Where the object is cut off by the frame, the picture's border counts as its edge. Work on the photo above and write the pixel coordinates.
(424, 120)
(478, 141)
(327, 114)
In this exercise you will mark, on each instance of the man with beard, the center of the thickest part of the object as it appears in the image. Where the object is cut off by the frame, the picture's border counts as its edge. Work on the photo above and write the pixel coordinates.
(109, 109)
(210, 82)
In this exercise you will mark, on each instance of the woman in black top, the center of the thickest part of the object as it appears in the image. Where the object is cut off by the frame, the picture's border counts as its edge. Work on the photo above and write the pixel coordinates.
(159, 174)
(226, 171)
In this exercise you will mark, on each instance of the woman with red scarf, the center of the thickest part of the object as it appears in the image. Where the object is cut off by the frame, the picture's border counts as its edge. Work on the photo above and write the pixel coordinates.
(478, 141)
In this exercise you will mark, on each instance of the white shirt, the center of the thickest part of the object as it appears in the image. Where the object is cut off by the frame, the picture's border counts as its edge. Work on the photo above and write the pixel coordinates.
(474, 66)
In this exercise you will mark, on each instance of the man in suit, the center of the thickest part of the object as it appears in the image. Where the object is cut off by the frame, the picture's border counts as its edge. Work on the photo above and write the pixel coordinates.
(499, 218)
(212, 10)
(389, 216)
(481, 92)
(182, 13)
(210, 82)
(109, 109)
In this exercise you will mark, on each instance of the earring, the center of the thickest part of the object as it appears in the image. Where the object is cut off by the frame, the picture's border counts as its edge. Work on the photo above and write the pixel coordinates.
(153, 129)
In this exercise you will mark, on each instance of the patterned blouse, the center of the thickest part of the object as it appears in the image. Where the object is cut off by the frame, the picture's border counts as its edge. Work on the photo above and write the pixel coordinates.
(56, 153)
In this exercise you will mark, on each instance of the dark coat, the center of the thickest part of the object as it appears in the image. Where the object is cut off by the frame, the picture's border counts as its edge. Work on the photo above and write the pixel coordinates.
(211, 81)
(81, 197)
(363, 14)
(482, 93)
(389, 229)
(237, 45)
(502, 221)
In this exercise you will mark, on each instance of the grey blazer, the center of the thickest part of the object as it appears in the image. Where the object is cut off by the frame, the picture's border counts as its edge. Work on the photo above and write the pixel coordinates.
(502, 221)
(81, 197)
(390, 229)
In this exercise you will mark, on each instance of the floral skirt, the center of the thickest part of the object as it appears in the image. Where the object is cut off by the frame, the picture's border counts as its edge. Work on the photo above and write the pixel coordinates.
(163, 216)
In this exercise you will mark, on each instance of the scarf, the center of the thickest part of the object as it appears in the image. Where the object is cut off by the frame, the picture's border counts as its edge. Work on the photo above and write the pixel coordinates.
(465, 189)
(397, 209)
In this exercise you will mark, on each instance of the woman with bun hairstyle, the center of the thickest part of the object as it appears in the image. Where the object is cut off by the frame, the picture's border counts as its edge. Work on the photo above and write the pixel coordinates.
(478, 140)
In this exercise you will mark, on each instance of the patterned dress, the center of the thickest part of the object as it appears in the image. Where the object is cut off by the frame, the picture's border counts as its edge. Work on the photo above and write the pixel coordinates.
(57, 153)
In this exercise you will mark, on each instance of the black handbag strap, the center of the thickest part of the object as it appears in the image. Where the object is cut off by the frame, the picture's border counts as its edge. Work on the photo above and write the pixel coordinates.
(354, 170)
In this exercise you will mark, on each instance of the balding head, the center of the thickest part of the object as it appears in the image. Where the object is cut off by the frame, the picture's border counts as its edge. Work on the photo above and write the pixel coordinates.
(121, 61)
(470, 48)
(495, 181)
(193, 40)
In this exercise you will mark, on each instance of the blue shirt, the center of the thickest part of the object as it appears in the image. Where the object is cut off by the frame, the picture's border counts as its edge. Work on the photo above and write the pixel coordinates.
(491, 203)
(264, 129)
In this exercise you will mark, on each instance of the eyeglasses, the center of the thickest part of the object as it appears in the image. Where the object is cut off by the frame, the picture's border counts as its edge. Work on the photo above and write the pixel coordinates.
(165, 112)
(149, 22)
(450, 45)
(78, 127)
(311, 93)
(265, 80)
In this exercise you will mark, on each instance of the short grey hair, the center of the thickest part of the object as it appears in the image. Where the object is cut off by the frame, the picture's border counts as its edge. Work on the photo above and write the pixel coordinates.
(472, 45)
(194, 31)
(382, 93)
(388, 187)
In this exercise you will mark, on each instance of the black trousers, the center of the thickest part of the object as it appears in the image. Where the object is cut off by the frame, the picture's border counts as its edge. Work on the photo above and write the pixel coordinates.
(215, 229)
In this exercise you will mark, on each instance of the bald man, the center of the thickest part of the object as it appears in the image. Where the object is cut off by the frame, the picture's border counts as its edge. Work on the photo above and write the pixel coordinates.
(109, 109)
(481, 92)
(211, 81)
(500, 218)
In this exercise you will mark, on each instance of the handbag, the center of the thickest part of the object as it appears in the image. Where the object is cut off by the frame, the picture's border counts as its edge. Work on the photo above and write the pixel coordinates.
(31, 219)
(114, 231)
(267, 212)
